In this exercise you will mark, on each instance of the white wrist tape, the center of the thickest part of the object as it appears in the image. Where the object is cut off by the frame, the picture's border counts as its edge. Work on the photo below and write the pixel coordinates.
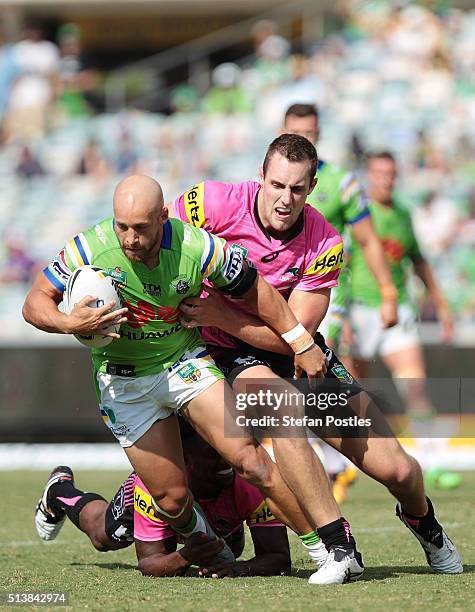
(294, 333)
(305, 348)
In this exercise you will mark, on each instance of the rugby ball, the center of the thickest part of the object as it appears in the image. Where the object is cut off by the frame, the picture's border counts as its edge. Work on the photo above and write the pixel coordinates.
(91, 280)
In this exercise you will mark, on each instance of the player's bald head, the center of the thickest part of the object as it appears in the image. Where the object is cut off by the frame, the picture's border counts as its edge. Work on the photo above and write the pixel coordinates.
(138, 194)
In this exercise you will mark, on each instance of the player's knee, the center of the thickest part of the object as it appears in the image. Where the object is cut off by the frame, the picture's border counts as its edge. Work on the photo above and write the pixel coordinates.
(403, 471)
(252, 467)
(173, 500)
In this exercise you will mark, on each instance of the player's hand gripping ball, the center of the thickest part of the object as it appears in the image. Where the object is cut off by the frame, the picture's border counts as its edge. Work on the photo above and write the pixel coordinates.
(91, 280)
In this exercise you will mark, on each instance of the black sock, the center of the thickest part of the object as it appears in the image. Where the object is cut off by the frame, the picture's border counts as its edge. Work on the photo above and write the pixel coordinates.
(423, 523)
(337, 532)
(64, 497)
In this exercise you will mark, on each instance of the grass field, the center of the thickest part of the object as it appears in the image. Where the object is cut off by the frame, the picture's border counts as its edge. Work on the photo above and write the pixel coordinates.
(396, 574)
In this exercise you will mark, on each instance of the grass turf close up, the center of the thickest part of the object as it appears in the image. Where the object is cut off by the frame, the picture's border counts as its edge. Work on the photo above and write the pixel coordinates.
(396, 574)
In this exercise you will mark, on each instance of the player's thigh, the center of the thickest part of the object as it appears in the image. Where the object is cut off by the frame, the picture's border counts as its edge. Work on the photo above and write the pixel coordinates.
(406, 363)
(400, 346)
(373, 448)
(157, 457)
(213, 414)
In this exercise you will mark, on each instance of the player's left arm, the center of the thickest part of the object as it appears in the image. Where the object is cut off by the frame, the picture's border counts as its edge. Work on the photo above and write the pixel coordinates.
(373, 252)
(424, 271)
(272, 556)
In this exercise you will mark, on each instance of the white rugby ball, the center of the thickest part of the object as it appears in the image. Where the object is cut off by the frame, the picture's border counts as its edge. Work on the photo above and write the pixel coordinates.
(91, 280)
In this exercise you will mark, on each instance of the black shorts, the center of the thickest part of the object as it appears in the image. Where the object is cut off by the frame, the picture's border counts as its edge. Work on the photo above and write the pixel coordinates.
(339, 418)
(234, 361)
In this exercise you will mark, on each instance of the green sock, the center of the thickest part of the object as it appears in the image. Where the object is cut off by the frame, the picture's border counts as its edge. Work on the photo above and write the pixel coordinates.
(309, 539)
(195, 524)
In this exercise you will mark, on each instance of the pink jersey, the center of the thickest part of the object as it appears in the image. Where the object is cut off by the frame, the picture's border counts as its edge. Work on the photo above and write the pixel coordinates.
(311, 258)
(234, 505)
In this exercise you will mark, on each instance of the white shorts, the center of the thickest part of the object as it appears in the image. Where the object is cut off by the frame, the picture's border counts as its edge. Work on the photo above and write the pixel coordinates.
(130, 406)
(370, 337)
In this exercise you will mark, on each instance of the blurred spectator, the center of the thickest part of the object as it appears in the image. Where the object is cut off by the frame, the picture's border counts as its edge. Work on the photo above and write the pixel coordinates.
(9, 70)
(184, 99)
(28, 166)
(32, 93)
(18, 266)
(273, 65)
(76, 78)
(227, 96)
(127, 158)
(93, 163)
(426, 155)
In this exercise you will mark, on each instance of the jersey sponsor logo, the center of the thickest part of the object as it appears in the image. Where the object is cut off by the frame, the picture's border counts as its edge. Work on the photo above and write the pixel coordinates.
(143, 504)
(189, 373)
(234, 265)
(118, 504)
(181, 284)
(239, 247)
(187, 234)
(118, 276)
(194, 205)
(143, 312)
(261, 514)
(152, 289)
(270, 257)
(329, 261)
(290, 273)
(58, 265)
(100, 234)
(152, 335)
(393, 249)
(342, 374)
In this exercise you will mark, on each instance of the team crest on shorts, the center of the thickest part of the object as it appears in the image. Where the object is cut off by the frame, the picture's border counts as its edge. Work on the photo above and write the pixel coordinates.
(189, 373)
(108, 415)
(342, 374)
(181, 284)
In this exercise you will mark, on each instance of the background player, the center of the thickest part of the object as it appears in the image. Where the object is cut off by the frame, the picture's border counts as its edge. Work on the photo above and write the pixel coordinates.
(399, 347)
(227, 499)
(270, 221)
(342, 201)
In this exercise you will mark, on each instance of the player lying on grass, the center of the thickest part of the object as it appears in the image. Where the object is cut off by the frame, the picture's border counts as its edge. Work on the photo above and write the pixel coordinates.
(155, 366)
(228, 501)
(270, 222)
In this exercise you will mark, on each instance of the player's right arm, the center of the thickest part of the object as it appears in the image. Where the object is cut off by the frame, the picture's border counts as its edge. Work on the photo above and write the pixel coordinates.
(41, 310)
(160, 558)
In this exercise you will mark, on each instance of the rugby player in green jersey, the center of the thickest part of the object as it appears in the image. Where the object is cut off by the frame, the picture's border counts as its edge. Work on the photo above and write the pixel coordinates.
(399, 347)
(156, 366)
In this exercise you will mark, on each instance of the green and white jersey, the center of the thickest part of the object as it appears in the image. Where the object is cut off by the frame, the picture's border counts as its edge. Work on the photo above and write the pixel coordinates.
(394, 227)
(153, 338)
(338, 196)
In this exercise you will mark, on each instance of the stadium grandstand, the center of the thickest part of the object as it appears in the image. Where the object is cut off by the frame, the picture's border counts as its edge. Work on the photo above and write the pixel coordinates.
(187, 90)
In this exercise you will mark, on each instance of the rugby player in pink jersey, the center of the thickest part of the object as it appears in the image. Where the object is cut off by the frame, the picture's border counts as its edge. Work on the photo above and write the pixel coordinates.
(227, 500)
(297, 251)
